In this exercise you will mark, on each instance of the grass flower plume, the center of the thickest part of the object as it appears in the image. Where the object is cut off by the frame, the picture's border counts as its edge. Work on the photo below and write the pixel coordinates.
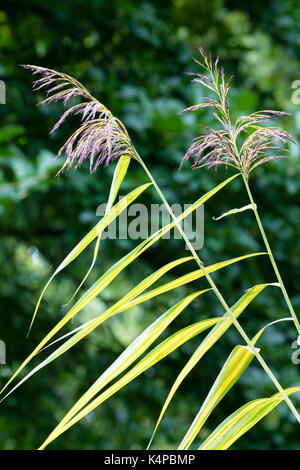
(101, 138)
(219, 147)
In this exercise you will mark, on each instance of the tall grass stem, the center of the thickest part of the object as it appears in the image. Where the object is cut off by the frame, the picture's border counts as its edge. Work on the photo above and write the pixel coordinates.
(271, 256)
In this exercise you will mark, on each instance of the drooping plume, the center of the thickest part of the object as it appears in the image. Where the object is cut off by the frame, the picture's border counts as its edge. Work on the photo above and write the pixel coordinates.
(219, 146)
(101, 137)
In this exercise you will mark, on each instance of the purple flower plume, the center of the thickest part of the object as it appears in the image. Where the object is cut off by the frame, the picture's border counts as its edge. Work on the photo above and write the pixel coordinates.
(101, 137)
(219, 146)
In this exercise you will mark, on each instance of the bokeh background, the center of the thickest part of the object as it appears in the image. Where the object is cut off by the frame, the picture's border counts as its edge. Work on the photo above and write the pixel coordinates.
(133, 56)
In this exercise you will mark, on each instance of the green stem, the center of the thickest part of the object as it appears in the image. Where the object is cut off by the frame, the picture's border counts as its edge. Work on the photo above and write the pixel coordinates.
(272, 259)
(219, 295)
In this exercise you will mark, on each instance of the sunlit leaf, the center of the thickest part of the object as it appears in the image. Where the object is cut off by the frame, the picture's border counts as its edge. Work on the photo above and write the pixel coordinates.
(234, 367)
(88, 327)
(111, 273)
(235, 211)
(165, 288)
(239, 422)
(101, 225)
(207, 343)
(119, 175)
(161, 351)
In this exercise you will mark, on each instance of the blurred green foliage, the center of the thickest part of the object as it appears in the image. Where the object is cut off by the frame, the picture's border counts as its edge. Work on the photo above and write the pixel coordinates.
(133, 56)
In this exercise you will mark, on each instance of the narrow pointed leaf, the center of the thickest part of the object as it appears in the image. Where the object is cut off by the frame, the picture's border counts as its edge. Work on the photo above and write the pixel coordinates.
(192, 276)
(131, 353)
(88, 327)
(113, 271)
(239, 422)
(207, 343)
(235, 211)
(85, 329)
(99, 227)
(161, 351)
(237, 362)
(234, 367)
(165, 288)
(119, 175)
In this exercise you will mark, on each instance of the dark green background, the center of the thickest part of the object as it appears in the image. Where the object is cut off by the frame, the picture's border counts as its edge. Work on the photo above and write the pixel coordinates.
(133, 56)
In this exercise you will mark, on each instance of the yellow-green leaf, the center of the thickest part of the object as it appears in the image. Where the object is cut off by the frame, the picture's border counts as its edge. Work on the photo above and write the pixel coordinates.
(119, 175)
(86, 298)
(113, 271)
(234, 367)
(235, 211)
(207, 343)
(99, 227)
(192, 276)
(165, 288)
(239, 422)
(88, 327)
(236, 364)
(125, 303)
(162, 350)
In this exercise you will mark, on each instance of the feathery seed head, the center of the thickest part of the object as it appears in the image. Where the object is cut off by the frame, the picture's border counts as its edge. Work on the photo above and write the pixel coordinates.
(101, 137)
(219, 146)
